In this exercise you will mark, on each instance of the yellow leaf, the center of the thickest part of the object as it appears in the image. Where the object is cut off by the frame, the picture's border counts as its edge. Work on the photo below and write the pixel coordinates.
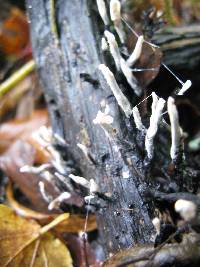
(74, 224)
(23, 243)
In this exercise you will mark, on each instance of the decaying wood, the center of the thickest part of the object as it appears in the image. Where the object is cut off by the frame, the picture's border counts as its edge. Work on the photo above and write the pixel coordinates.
(75, 91)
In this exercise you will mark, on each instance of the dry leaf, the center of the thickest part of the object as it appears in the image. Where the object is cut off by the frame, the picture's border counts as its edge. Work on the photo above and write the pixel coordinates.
(11, 99)
(32, 246)
(14, 32)
(18, 155)
(74, 224)
(21, 129)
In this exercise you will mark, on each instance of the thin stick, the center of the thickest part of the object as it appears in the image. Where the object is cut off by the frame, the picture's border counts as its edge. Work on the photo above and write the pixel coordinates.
(53, 18)
(16, 77)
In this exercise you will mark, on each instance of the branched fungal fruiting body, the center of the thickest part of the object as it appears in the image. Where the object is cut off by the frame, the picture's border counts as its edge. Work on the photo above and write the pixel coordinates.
(44, 194)
(152, 130)
(137, 119)
(114, 49)
(175, 128)
(120, 97)
(130, 77)
(56, 202)
(104, 44)
(84, 149)
(105, 121)
(35, 170)
(136, 52)
(80, 180)
(187, 209)
(154, 102)
(115, 14)
(94, 188)
(102, 11)
(185, 87)
(156, 224)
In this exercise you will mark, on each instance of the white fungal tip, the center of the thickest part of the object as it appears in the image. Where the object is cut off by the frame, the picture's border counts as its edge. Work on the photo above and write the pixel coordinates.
(187, 209)
(115, 10)
(102, 11)
(56, 202)
(136, 52)
(175, 128)
(104, 44)
(137, 119)
(44, 194)
(130, 77)
(26, 168)
(80, 180)
(185, 87)
(157, 108)
(121, 99)
(83, 148)
(110, 36)
(94, 188)
(114, 49)
(156, 224)
(103, 118)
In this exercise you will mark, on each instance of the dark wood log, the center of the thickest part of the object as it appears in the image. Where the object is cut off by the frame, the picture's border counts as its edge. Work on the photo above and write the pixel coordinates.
(74, 89)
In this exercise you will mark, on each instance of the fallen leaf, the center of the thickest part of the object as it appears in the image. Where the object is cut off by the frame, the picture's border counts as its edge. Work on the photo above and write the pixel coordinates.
(18, 155)
(21, 129)
(74, 224)
(33, 245)
(11, 99)
(14, 32)
(82, 252)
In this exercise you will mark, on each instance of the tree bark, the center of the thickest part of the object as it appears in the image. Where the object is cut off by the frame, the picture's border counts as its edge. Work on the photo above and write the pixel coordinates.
(75, 91)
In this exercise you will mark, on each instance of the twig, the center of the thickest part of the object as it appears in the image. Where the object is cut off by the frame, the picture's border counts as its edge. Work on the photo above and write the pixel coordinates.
(16, 77)
(53, 18)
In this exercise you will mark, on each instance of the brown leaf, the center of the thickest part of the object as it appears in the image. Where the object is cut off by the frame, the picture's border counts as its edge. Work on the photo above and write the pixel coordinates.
(83, 253)
(10, 100)
(18, 155)
(14, 32)
(32, 245)
(74, 224)
(21, 129)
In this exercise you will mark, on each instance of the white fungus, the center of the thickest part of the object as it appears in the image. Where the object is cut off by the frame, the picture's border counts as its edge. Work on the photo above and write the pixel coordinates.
(156, 224)
(185, 87)
(175, 128)
(130, 77)
(104, 44)
(120, 97)
(114, 49)
(136, 52)
(105, 121)
(153, 127)
(187, 209)
(56, 202)
(35, 170)
(138, 120)
(115, 14)
(102, 11)
(94, 188)
(80, 180)
(44, 194)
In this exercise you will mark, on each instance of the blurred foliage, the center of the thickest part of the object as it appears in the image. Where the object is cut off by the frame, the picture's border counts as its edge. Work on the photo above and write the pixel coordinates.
(175, 12)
